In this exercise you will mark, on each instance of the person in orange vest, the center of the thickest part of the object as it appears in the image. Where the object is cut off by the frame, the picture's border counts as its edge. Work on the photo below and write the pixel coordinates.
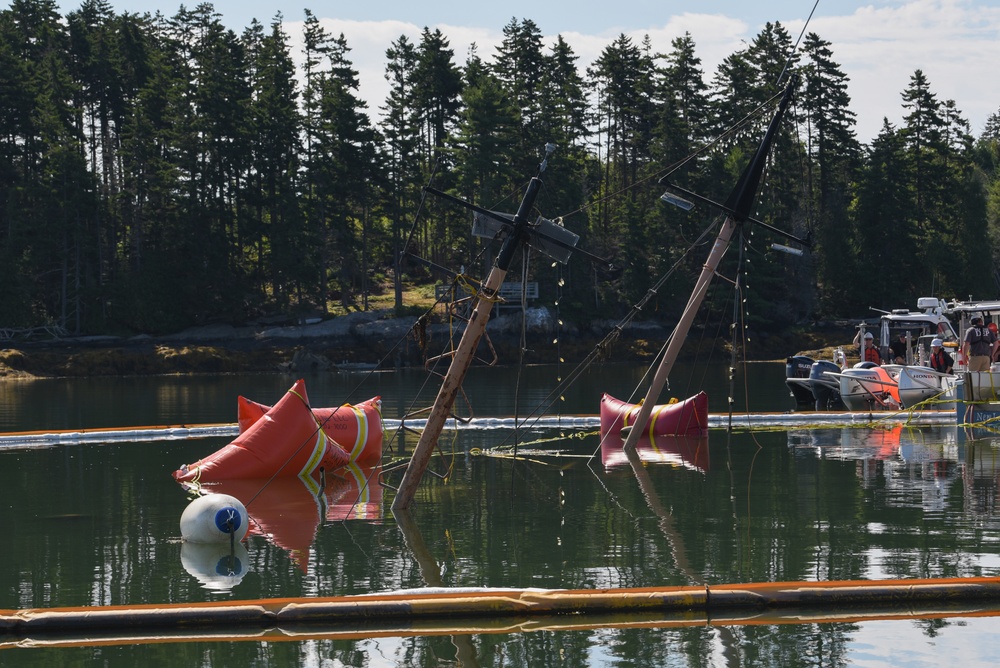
(940, 359)
(870, 352)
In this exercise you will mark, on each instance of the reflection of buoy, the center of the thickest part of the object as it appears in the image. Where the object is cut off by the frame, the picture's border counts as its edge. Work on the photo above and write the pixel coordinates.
(215, 565)
(214, 518)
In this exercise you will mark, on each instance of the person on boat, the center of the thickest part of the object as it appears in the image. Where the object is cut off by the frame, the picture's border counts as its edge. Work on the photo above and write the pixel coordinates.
(979, 344)
(941, 361)
(898, 349)
(869, 353)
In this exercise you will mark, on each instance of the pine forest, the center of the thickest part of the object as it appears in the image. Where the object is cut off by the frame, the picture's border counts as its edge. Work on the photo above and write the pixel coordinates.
(160, 173)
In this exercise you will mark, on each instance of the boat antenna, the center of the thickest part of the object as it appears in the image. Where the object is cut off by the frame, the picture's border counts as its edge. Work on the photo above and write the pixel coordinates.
(737, 207)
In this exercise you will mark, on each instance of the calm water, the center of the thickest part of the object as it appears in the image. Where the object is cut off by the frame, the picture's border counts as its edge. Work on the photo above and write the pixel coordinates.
(98, 524)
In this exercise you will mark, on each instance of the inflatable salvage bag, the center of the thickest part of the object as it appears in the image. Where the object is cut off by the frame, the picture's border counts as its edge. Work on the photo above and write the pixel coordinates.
(687, 417)
(287, 441)
(356, 428)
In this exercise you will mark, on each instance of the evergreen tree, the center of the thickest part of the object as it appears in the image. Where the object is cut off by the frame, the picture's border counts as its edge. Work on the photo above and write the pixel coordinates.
(436, 103)
(750, 82)
(834, 157)
(281, 245)
(436, 93)
(949, 205)
(401, 129)
(48, 194)
(315, 50)
(345, 171)
(987, 158)
(572, 174)
(686, 96)
(518, 67)
(881, 234)
(623, 84)
(684, 125)
(488, 130)
(147, 258)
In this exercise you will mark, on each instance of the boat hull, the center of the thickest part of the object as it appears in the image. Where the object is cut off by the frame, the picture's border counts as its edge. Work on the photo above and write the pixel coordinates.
(866, 389)
(977, 397)
(687, 417)
(922, 388)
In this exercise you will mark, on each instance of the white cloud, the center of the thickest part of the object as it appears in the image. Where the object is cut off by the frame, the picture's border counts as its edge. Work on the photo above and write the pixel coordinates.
(954, 42)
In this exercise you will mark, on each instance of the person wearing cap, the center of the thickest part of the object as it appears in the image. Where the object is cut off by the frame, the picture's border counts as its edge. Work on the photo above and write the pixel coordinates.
(978, 345)
(940, 359)
(898, 349)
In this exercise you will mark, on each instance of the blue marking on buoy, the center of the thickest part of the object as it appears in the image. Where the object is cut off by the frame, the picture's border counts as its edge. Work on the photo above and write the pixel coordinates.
(228, 520)
(229, 567)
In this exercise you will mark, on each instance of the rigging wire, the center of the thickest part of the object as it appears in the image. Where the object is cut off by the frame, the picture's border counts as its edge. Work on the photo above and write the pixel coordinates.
(522, 349)
(795, 48)
(602, 346)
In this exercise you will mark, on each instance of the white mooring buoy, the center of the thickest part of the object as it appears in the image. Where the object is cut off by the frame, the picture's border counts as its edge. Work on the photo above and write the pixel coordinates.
(214, 518)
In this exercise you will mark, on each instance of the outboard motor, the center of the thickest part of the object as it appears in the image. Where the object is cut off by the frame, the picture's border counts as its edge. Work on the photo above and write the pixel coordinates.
(825, 389)
(797, 367)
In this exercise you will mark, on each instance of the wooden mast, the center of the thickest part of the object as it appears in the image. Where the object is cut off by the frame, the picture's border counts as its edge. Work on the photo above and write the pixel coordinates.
(737, 207)
(465, 351)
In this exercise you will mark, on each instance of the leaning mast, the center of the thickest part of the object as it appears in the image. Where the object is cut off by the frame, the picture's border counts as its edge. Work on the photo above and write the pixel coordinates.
(737, 208)
(544, 234)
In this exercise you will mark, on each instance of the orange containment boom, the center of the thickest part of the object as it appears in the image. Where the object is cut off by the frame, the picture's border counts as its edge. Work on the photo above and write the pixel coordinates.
(837, 600)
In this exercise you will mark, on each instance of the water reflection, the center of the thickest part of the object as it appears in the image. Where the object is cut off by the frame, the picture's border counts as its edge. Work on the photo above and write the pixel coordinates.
(287, 511)
(684, 451)
(97, 525)
(219, 567)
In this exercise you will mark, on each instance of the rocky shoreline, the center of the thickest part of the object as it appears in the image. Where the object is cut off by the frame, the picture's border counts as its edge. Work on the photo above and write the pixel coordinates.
(357, 340)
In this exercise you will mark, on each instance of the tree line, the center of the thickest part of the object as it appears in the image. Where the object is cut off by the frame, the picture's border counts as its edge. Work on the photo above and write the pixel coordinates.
(160, 172)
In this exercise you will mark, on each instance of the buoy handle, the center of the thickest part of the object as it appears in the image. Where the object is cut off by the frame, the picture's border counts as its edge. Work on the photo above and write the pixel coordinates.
(227, 520)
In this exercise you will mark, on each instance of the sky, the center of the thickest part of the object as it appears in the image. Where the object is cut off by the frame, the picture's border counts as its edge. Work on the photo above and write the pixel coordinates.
(879, 44)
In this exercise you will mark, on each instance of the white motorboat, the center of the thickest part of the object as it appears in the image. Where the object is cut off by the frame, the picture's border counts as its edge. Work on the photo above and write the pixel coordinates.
(921, 387)
(867, 386)
(829, 384)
